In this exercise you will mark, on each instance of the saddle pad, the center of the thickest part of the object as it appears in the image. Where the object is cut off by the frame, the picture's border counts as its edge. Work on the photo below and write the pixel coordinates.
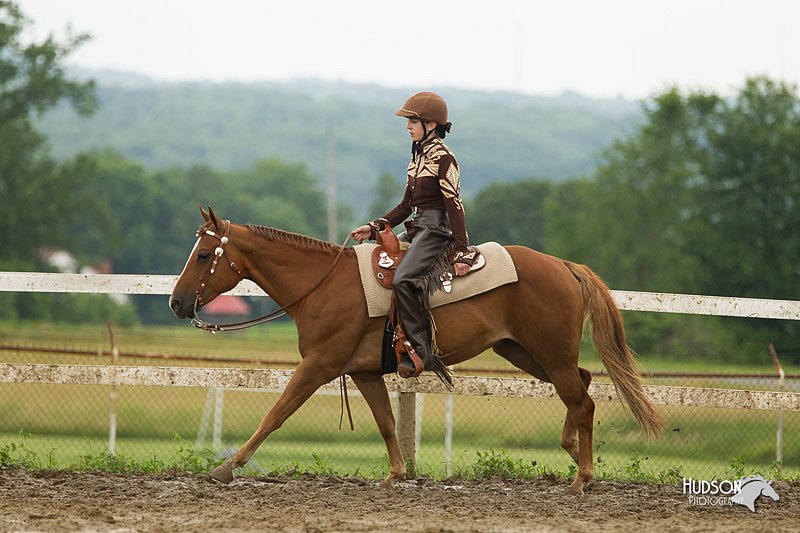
(499, 270)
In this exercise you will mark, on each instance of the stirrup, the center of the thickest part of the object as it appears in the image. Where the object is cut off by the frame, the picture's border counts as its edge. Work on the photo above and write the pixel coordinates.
(416, 365)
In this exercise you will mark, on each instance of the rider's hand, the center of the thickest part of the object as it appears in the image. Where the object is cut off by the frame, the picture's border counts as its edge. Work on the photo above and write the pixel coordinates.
(361, 233)
(461, 269)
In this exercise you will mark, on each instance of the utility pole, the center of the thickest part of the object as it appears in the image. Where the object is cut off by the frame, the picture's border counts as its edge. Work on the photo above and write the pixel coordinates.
(331, 187)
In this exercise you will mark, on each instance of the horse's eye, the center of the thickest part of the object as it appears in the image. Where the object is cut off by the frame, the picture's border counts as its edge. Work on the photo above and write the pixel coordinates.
(204, 255)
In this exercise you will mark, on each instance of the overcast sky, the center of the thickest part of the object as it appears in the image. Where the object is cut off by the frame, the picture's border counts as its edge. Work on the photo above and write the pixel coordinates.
(632, 48)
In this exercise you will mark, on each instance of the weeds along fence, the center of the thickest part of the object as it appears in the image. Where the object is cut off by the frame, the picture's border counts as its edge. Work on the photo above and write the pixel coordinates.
(67, 411)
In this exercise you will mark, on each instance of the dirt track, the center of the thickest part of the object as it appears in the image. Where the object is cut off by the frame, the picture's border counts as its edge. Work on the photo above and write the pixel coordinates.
(67, 501)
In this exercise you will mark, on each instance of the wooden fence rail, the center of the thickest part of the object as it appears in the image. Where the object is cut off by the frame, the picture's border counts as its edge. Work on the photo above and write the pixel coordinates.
(626, 300)
(276, 380)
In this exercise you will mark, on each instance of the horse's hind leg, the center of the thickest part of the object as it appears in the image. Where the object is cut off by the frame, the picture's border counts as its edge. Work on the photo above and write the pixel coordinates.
(373, 389)
(571, 386)
(569, 435)
(520, 358)
(307, 378)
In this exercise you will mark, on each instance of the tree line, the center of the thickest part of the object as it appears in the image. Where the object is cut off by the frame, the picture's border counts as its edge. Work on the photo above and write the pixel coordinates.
(233, 125)
(700, 198)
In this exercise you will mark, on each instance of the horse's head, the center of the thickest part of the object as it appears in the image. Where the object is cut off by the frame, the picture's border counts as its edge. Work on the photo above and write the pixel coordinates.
(209, 271)
(769, 491)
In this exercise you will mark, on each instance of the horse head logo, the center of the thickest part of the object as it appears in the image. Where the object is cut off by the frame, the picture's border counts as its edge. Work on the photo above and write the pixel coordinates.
(751, 488)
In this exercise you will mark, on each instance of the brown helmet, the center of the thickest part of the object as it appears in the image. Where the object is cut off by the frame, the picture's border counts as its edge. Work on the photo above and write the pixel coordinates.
(427, 106)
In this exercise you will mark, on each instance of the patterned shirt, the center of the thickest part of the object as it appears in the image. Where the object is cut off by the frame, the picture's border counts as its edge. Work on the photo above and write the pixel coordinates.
(434, 183)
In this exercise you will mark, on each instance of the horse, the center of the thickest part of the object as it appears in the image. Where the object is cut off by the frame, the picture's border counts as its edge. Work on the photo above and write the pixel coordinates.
(536, 324)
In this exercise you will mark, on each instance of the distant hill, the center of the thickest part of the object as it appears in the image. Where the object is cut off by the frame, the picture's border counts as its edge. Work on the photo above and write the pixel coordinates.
(496, 135)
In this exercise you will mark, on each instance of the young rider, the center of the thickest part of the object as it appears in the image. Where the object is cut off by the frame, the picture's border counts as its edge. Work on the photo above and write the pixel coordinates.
(437, 228)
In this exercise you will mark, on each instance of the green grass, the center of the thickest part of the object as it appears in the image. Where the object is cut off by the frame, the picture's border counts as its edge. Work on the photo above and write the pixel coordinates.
(698, 442)
(68, 423)
(180, 456)
(278, 341)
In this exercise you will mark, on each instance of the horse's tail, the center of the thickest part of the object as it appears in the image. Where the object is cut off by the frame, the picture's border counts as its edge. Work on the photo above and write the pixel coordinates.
(608, 337)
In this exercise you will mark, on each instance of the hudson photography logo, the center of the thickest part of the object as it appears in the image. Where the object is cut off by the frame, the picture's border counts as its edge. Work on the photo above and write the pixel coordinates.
(744, 491)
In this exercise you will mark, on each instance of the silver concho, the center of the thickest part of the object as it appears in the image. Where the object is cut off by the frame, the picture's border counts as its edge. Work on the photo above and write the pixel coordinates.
(447, 281)
(385, 261)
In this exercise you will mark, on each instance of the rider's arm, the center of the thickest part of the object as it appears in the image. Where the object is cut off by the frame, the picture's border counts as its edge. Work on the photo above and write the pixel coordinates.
(450, 184)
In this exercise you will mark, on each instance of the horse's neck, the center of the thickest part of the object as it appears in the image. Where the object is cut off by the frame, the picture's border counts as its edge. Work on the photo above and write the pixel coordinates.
(286, 271)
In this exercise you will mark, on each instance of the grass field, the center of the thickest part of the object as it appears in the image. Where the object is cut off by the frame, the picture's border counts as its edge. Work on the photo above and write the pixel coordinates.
(67, 422)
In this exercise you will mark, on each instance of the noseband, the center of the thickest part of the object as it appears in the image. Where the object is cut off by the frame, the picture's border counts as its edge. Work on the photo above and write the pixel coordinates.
(219, 251)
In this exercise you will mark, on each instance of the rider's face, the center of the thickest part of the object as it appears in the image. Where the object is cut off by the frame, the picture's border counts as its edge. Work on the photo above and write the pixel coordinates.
(416, 130)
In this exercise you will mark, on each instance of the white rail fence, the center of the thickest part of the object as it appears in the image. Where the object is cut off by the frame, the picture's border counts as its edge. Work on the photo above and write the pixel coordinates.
(627, 300)
(217, 379)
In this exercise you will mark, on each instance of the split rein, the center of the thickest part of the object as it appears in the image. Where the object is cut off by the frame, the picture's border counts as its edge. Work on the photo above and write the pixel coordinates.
(219, 251)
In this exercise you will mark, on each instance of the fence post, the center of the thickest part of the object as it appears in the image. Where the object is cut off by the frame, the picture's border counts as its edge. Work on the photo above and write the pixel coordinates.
(448, 436)
(112, 397)
(205, 419)
(407, 429)
(216, 439)
(779, 428)
(418, 415)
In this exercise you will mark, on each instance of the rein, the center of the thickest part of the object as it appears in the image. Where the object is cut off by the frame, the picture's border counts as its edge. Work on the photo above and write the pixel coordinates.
(278, 313)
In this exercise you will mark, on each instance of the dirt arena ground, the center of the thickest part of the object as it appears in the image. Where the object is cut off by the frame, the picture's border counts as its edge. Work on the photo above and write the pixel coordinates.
(68, 501)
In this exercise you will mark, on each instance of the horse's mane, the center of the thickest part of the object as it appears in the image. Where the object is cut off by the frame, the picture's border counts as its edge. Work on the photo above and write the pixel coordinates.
(303, 241)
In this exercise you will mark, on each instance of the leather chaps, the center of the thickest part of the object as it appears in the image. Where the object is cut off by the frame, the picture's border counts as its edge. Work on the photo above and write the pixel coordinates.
(432, 238)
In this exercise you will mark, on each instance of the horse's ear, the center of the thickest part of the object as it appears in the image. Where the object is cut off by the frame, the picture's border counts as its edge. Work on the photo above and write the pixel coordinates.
(214, 219)
(204, 213)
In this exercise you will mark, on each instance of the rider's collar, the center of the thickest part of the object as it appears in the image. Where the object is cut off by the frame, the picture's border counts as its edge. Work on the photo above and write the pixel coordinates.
(425, 146)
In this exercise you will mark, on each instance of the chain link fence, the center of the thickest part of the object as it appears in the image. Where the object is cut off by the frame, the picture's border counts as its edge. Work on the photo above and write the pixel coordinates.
(67, 425)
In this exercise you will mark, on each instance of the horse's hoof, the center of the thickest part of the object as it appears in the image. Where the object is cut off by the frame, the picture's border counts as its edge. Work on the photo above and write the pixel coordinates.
(391, 479)
(576, 490)
(223, 473)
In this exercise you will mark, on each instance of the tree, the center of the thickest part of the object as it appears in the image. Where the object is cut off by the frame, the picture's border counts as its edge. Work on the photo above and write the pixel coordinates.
(510, 213)
(566, 219)
(279, 194)
(35, 202)
(638, 212)
(40, 201)
(126, 198)
(702, 198)
(748, 192)
(387, 193)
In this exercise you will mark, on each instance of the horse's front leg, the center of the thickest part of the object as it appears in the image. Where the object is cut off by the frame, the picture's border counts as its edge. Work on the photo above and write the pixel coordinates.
(373, 388)
(307, 378)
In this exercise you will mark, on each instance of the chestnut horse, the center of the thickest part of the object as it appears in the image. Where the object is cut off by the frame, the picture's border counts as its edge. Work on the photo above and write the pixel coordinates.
(536, 324)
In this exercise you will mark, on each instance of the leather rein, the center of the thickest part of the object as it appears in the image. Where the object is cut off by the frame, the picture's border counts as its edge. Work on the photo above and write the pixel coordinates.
(219, 251)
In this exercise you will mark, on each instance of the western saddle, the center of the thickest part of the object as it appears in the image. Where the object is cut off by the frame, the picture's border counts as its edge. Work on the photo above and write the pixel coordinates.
(386, 257)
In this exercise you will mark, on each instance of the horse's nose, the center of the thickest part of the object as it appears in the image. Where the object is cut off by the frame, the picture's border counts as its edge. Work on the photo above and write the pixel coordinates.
(174, 304)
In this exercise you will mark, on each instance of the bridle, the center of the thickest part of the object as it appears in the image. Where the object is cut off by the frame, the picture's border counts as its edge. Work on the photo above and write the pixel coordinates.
(219, 251)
